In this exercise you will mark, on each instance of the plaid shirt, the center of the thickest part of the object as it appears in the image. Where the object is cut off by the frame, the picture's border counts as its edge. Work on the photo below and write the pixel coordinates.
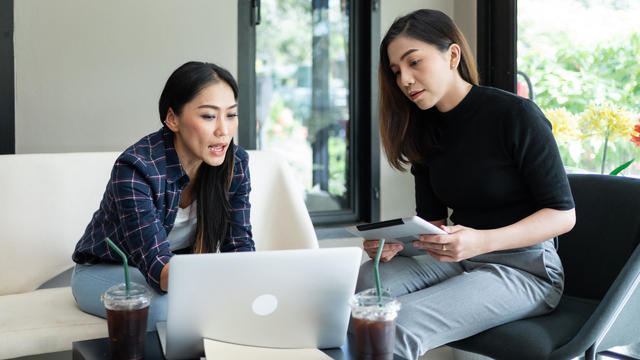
(140, 204)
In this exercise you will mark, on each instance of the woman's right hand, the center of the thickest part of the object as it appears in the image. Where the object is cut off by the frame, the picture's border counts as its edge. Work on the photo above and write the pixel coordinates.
(164, 278)
(389, 250)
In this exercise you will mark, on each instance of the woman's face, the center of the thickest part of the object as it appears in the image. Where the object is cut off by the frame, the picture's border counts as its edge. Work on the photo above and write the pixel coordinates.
(423, 73)
(205, 127)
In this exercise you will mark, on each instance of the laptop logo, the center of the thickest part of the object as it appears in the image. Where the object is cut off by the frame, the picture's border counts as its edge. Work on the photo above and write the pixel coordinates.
(264, 304)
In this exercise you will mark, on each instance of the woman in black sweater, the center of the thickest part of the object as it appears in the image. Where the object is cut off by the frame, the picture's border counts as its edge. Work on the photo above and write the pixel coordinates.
(491, 158)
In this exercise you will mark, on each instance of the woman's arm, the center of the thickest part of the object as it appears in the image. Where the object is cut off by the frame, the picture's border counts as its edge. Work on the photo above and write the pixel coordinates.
(239, 234)
(145, 239)
(462, 242)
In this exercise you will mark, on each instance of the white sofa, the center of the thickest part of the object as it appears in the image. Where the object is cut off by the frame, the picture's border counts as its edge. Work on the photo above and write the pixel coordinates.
(46, 201)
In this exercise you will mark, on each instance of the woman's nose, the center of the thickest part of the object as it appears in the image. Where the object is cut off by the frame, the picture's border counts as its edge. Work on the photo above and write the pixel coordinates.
(222, 128)
(406, 79)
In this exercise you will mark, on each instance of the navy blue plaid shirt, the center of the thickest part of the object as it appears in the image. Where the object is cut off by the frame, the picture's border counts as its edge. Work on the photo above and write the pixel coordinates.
(140, 204)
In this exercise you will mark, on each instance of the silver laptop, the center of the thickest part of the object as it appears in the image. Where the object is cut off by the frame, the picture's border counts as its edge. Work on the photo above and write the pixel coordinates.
(280, 299)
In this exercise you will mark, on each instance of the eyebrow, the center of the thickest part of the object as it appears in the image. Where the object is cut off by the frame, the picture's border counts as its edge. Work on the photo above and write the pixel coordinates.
(406, 53)
(216, 107)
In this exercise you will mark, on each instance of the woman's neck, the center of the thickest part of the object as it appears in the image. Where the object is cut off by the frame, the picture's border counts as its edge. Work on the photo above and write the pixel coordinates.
(189, 162)
(458, 90)
(188, 196)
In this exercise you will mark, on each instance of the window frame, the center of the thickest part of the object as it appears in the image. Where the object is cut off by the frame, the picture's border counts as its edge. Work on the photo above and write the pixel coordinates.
(364, 35)
(7, 91)
(497, 43)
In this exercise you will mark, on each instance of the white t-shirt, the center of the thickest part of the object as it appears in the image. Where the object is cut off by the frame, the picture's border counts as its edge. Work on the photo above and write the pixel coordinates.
(184, 229)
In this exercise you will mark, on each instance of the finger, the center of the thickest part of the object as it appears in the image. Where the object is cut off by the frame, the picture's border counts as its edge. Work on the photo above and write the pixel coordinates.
(442, 258)
(436, 239)
(385, 251)
(371, 244)
(453, 228)
(388, 256)
(432, 245)
(427, 237)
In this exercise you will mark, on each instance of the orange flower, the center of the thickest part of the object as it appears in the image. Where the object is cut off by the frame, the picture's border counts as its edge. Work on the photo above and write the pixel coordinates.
(636, 138)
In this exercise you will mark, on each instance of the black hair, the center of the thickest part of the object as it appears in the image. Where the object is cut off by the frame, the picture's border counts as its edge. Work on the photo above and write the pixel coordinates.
(212, 182)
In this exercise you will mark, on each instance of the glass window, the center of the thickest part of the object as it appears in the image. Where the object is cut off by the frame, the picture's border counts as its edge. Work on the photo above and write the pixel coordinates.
(583, 70)
(302, 95)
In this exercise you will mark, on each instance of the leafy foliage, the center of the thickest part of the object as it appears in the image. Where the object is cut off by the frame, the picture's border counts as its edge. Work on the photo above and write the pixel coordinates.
(589, 93)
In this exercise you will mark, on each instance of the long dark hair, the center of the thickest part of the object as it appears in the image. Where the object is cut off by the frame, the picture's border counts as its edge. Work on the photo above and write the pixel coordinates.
(212, 182)
(397, 113)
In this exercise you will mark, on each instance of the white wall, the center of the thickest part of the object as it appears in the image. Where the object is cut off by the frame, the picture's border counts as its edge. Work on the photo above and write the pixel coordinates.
(397, 188)
(88, 73)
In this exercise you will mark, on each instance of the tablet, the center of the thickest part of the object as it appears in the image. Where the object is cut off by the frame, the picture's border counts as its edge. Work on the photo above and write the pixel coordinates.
(405, 231)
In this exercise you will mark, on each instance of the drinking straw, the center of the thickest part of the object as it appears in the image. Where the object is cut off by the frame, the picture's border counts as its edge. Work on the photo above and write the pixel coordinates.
(124, 260)
(376, 263)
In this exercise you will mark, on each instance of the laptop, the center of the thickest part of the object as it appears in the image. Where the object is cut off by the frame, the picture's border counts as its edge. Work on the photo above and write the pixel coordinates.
(278, 299)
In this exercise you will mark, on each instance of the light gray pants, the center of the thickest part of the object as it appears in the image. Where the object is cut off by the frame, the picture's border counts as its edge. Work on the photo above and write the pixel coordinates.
(89, 282)
(444, 302)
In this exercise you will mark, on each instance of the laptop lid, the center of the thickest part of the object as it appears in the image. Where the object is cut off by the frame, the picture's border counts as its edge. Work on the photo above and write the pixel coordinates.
(282, 299)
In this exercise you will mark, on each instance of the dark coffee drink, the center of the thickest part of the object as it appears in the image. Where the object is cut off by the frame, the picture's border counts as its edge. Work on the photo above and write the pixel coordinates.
(374, 339)
(127, 333)
(127, 312)
(373, 321)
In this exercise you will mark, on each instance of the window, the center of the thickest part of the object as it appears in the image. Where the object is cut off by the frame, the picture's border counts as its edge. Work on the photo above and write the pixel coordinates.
(584, 73)
(305, 82)
(582, 70)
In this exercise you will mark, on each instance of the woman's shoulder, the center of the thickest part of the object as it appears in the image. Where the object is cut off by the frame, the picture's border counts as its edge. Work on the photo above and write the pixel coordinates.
(494, 96)
(148, 152)
(240, 154)
(240, 162)
(510, 105)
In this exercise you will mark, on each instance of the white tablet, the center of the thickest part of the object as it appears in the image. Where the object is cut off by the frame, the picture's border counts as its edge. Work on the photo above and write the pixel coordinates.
(405, 231)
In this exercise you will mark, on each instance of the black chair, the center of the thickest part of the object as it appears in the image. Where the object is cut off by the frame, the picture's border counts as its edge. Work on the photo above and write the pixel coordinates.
(600, 307)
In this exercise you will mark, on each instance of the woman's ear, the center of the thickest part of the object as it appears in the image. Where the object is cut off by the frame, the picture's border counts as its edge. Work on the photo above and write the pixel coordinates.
(171, 121)
(454, 56)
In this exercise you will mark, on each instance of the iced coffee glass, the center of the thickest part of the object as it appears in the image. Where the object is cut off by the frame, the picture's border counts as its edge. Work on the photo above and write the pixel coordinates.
(374, 324)
(127, 320)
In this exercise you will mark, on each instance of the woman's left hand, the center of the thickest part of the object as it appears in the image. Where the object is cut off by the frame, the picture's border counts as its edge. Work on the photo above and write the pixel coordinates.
(460, 243)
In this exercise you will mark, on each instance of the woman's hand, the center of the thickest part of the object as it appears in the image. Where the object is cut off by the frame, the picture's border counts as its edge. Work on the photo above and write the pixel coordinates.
(164, 278)
(389, 250)
(460, 243)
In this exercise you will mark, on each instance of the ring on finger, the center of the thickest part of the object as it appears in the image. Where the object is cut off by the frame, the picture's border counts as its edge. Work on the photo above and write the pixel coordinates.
(444, 247)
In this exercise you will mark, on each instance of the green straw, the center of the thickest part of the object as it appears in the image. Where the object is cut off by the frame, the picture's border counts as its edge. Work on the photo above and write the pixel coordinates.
(124, 260)
(376, 263)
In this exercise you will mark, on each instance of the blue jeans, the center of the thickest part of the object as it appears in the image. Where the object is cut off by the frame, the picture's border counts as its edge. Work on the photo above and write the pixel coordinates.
(90, 281)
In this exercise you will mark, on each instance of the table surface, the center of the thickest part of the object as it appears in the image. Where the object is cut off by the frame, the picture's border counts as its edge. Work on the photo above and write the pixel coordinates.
(99, 349)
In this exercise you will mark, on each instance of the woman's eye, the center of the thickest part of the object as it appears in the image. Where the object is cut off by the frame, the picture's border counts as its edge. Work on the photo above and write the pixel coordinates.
(414, 62)
(209, 116)
(232, 115)
(396, 73)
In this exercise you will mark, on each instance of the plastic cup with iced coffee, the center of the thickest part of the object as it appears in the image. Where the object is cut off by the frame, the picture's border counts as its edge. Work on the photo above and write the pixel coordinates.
(127, 312)
(373, 321)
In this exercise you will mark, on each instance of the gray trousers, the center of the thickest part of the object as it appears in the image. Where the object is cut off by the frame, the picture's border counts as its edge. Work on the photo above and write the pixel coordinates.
(443, 302)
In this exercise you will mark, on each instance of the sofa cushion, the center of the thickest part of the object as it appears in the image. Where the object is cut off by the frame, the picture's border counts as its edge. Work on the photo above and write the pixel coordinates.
(45, 320)
(47, 202)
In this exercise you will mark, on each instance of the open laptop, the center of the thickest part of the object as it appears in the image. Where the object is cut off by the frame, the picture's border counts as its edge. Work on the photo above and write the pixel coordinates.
(280, 299)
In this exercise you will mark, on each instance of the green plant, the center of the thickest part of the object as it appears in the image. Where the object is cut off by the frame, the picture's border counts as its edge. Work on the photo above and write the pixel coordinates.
(609, 122)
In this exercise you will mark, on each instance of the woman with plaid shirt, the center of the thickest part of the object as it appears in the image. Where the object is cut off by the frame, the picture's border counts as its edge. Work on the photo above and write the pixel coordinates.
(182, 189)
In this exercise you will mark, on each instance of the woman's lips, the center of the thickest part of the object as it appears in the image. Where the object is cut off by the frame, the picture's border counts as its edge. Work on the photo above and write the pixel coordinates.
(415, 94)
(217, 149)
